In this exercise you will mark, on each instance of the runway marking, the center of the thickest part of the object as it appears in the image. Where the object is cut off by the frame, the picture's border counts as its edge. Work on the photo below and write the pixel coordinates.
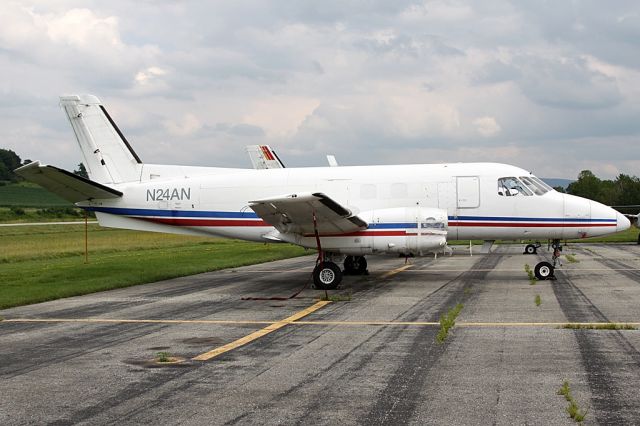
(294, 320)
(256, 335)
(520, 270)
(135, 321)
(395, 271)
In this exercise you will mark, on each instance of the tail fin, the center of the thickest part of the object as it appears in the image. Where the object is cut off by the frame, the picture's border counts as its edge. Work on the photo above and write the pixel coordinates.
(263, 157)
(108, 156)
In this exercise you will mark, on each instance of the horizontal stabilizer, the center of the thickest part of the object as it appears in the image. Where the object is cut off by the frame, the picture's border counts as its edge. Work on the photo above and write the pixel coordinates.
(67, 185)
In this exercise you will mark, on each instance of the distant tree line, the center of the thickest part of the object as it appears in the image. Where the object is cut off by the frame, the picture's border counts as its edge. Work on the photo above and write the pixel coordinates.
(9, 161)
(623, 191)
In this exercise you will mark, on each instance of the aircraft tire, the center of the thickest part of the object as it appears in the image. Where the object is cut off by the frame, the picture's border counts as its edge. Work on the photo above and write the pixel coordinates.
(544, 271)
(327, 276)
(530, 249)
(355, 265)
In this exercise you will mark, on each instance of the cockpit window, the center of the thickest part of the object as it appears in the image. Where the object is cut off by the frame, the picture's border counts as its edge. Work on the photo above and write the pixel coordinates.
(511, 186)
(543, 183)
(535, 184)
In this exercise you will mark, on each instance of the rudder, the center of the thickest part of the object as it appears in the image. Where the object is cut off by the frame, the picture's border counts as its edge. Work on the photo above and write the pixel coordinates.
(107, 154)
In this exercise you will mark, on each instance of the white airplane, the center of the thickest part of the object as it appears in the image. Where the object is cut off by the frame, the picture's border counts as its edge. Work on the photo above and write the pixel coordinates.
(340, 211)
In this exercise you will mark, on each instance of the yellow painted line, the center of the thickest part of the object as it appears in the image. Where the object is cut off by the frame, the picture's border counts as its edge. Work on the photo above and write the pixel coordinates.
(395, 271)
(294, 319)
(380, 323)
(460, 324)
(134, 321)
(256, 335)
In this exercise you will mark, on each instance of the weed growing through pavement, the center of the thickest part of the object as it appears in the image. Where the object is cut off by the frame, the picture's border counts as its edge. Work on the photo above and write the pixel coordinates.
(532, 276)
(538, 300)
(163, 357)
(447, 321)
(572, 409)
(571, 258)
(337, 297)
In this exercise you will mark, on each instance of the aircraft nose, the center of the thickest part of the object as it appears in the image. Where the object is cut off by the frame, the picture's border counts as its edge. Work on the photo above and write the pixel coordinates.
(622, 223)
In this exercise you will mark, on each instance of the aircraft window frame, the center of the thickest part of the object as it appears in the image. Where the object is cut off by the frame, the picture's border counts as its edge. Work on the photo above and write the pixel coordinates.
(543, 183)
(533, 185)
(513, 182)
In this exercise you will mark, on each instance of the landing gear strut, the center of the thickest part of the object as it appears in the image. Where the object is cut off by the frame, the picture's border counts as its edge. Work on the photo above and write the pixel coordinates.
(355, 265)
(545, 270)
(326, 275)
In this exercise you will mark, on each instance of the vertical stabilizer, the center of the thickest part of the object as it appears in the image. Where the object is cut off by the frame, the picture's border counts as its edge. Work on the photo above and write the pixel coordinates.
(108, 156)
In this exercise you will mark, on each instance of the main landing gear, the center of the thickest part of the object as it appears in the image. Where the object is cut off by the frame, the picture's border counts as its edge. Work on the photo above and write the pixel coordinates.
(545, 270)
(355, 265)
(327, 274)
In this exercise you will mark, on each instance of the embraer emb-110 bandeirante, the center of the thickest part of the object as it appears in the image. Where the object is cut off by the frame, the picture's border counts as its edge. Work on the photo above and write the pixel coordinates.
(343, 212)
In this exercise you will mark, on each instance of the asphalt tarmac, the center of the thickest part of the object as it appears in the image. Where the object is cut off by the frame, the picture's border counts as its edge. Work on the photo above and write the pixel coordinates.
(372, 359)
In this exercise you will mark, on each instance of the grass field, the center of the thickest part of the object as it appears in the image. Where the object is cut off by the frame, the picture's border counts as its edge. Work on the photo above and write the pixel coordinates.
(46, 263)
(39, 263)
(26, 194)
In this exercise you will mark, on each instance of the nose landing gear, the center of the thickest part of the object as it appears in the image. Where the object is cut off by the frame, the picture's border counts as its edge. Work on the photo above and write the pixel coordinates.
(545, 270)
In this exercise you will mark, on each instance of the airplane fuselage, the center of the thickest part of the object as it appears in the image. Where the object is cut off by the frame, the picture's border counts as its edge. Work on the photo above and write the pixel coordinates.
(394, 200)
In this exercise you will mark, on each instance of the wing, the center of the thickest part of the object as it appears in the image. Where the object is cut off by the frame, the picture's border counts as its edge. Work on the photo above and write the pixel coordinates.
(67, 185)
(294, 214)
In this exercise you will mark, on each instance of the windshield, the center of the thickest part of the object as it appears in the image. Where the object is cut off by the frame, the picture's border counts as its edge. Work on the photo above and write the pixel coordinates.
(535, 184)
(511, 186)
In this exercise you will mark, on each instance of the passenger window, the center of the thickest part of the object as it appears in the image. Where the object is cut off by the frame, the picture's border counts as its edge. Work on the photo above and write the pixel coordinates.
(511, 186)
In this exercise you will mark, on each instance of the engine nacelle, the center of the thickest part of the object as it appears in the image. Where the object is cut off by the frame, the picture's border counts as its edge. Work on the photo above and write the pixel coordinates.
(407, 230)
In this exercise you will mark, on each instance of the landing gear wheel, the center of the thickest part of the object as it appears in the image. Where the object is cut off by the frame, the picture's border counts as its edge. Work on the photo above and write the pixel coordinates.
(327, 276)
(544, 271)
(530, 249)
(355, 265)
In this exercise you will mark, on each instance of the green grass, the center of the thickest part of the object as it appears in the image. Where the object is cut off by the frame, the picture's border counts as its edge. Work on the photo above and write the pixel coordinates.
(447, 321)
(163, 357)
(538, 300)
(530, 274)
(46, 263)
(572, 409)
(571, 258)
(25, 194)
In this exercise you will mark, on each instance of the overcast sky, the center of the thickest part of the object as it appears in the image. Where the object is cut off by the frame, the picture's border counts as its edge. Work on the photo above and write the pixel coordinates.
(551, 86)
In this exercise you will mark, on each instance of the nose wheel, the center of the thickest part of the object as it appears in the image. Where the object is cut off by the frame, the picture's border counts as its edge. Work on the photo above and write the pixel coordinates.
(546, 270)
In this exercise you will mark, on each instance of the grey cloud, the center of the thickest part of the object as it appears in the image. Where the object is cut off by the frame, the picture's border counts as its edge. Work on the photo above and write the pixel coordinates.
(567, 83)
